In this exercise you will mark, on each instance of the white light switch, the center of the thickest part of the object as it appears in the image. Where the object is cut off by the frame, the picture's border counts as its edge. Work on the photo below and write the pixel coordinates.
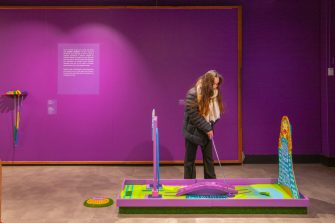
(331, 71)
(52, 107)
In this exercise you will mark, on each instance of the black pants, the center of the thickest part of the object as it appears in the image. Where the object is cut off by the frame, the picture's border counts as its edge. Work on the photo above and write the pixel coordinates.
(190, 156)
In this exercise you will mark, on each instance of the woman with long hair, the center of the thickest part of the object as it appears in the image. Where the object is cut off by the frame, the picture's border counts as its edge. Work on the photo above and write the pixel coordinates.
(203, 107)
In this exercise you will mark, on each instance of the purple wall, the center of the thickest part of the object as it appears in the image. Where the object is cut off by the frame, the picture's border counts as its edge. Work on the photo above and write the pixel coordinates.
(328, 82)
(148, 59)
(283, 61)
(331, 82)
(281, 75)
(323, 75)
(331, 85)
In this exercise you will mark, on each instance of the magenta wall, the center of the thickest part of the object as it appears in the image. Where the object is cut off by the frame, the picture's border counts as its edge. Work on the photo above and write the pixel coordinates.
(148, 59)
(283, 60)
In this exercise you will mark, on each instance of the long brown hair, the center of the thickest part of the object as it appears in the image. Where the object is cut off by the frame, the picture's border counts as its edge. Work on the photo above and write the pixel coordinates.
(206, 93)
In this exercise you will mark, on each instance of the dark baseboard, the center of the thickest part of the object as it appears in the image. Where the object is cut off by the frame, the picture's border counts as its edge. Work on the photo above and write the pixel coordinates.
(260, 159)
(273, 159)
(328, 161)
(249, 159)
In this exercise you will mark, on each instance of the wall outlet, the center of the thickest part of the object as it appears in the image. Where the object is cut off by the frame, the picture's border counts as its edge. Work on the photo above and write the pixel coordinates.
(181, 102)
(330, 71)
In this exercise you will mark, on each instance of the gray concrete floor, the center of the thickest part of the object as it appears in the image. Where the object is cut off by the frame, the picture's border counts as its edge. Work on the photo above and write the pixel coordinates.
(55, 194)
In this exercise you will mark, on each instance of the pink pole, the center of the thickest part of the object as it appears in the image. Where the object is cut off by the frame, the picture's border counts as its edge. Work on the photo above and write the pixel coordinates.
(154, 185)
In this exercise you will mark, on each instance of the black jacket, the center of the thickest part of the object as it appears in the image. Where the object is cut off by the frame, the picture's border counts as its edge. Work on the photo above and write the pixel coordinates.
(195, 125)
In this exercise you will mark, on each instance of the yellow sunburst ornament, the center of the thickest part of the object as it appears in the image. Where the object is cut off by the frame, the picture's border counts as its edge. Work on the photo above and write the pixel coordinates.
(98, 202)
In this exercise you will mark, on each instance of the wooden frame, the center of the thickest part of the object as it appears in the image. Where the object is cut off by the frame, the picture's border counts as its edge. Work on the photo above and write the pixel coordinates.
(177, 162)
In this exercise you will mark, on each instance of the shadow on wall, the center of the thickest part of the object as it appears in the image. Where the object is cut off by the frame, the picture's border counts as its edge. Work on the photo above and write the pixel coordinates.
(7, 103)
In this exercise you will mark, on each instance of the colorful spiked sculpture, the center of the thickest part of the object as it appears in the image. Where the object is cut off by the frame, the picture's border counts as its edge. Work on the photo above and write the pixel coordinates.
(17, 99)
(286, 176)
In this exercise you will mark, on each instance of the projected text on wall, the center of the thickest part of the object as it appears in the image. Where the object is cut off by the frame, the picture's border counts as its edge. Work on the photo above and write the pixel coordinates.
(78, 70)
(78, 61)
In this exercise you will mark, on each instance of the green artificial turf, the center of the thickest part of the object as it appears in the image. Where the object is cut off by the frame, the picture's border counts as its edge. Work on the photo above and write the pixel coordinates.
(212, 210)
